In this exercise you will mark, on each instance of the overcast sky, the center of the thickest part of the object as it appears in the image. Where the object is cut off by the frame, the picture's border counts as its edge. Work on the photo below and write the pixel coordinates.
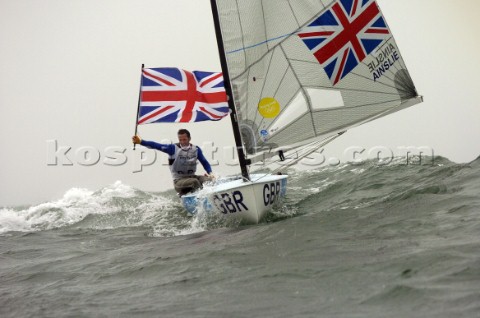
(70, 70)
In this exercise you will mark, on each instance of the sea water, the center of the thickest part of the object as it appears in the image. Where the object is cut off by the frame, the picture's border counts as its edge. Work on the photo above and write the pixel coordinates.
(371, 240)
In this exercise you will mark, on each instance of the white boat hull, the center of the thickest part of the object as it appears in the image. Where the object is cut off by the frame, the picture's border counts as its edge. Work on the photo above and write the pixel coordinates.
(248, 201)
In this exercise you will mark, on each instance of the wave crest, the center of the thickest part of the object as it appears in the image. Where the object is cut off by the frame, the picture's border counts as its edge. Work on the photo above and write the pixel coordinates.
(80, 206)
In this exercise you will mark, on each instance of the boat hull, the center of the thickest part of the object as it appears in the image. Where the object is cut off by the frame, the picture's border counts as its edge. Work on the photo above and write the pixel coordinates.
(248, 201)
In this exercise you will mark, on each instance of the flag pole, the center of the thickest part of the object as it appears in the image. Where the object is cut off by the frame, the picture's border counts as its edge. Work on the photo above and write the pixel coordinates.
(138, 105)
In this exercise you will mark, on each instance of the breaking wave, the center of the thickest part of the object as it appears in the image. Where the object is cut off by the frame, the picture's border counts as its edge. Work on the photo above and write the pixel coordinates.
(345, 187)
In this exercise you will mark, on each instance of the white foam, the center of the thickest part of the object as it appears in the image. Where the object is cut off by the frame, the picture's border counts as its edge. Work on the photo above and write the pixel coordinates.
(45, 215)
(203, 220)
(74, 206)
(10, 220)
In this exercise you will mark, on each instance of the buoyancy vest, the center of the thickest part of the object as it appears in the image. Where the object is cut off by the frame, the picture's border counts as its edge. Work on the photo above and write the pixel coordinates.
(183, 162)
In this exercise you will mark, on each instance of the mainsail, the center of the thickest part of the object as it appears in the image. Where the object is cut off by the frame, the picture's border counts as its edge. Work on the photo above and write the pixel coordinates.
(306, 70)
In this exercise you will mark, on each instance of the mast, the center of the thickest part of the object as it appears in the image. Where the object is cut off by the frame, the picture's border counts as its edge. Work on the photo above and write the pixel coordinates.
(228, 88)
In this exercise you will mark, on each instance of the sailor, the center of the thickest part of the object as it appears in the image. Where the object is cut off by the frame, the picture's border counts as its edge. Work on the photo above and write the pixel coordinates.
(182, 159)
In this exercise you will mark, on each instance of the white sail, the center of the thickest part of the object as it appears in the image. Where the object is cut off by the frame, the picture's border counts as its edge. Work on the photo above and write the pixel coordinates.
(307, 69)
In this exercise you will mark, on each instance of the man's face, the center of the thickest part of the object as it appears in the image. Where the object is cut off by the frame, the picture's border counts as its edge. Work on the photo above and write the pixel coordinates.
(183, 139)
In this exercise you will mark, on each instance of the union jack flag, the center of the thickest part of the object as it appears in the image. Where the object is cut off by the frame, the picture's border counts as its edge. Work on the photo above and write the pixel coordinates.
(343, 36)
(172, 95)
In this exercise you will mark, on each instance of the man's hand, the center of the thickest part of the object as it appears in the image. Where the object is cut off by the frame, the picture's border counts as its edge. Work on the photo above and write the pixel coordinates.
(136, 139)
(210, 176)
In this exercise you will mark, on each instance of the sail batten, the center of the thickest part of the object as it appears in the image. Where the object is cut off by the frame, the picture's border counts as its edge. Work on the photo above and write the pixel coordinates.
(305, 69)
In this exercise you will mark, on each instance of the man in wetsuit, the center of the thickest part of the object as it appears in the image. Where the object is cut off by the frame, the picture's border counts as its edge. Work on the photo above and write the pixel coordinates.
(182, 159)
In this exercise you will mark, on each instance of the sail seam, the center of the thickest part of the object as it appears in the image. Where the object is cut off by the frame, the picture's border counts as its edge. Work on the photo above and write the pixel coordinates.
(283, 110)
(341, 127)
(275, 95)
(241, 30)
(360, 106)
(362, 76)
(286, 37)
(264, 82)
(305, 95)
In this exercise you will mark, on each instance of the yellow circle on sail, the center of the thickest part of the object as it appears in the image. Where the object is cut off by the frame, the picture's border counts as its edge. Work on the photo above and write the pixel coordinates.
(269, 107)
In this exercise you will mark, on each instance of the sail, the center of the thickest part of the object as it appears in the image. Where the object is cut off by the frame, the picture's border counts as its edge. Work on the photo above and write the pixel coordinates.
(306, 70)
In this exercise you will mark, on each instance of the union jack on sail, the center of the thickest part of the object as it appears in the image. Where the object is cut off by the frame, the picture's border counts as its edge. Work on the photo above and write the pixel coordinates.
(343, 36)
(173, 95)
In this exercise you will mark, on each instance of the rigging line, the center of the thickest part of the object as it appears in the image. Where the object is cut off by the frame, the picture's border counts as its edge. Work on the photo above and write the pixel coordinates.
(307, 153)
(298, 154)
(295, 152)
(275, 94)
(299, 158)
(308, 149)
(283, 165)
